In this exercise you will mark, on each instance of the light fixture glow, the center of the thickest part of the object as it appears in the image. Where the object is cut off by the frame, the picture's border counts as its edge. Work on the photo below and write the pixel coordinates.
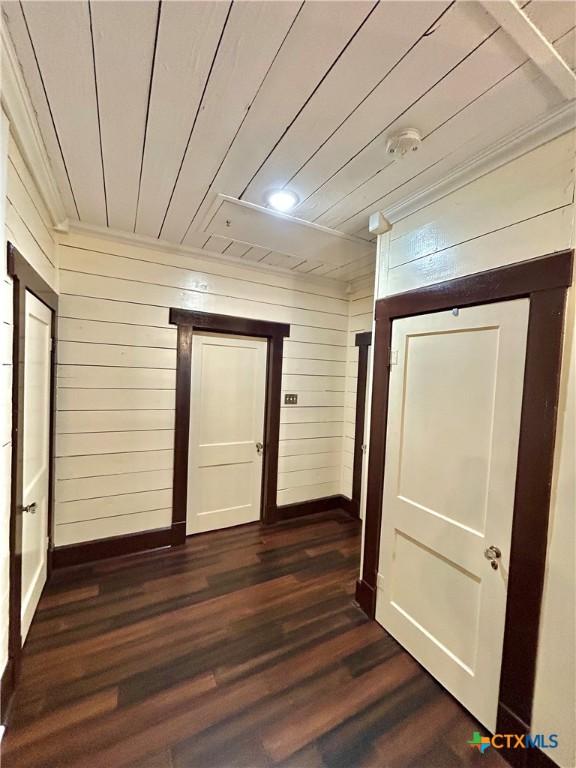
(282, 200)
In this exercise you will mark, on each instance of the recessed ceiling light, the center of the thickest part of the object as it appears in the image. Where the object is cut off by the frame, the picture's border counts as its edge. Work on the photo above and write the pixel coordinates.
(282, 200)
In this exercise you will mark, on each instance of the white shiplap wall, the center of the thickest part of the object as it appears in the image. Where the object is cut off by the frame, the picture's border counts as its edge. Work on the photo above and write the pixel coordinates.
(522, 210)
(361, 311)
(5, 408)
(28, 227)
(116, 378)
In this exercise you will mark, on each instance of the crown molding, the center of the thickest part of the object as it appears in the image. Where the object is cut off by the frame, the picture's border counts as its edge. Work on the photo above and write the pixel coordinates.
(514, 145)
(165, 246)
(18, 107)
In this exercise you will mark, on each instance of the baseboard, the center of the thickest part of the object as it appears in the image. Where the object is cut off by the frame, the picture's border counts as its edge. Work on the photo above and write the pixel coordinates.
(351, 506)
(366, 598)
(313, 506)
(7, 687)
(115, 546)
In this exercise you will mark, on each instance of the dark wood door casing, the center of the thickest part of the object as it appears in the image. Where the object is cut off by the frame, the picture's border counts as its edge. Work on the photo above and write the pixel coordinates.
(363, 341)
(187, 322)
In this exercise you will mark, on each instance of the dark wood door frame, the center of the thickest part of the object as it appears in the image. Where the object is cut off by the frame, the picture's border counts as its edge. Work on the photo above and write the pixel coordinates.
(24, 278)
(363, 341)
(187, 322)
(544, 281)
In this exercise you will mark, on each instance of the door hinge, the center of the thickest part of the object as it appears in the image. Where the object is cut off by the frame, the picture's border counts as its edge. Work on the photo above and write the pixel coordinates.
(51, 344)
(393, 357)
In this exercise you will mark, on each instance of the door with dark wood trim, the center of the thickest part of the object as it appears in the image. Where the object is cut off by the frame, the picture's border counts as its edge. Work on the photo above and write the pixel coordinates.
(189, 322)
(455, 398)
(226, 443)
(27, 283)
(544, 281)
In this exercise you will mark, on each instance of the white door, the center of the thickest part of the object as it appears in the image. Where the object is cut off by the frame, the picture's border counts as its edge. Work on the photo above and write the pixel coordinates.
(228, 390)
(36, 445)
(450, 472)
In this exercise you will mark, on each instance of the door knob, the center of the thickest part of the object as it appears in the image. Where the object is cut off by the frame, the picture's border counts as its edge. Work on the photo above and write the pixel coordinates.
(259, 448)
(31, 508)
(493, 554)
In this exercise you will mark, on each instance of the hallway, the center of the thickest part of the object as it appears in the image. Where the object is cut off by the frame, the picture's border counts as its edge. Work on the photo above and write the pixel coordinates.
(241, 649)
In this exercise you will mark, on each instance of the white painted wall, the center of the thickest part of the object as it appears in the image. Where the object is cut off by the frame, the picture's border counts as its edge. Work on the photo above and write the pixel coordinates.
(116, 378)
(5, 407)
(555, 694)
(522, 210)
(27, 225)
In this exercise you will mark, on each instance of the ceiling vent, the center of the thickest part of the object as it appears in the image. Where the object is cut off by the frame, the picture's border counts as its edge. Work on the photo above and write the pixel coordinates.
(406, 141)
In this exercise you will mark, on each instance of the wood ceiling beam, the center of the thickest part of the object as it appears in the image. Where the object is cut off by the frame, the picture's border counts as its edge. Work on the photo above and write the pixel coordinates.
(531, 40)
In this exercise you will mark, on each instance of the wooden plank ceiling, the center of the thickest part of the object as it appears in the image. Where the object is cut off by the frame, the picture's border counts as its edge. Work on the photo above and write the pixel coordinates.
(150, 109)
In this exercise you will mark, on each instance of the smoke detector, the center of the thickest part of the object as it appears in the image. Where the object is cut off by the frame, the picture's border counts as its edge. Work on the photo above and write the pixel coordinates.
(401, 143)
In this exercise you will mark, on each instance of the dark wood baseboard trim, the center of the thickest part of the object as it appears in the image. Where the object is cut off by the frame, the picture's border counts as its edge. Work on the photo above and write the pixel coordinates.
(115, 546)
(7, 687)
(366, 597)
(312, 507)
(352, 506)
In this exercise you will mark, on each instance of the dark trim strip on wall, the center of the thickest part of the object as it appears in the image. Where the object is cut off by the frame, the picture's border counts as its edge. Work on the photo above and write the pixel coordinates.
(544, 281)
(313, 506)
(188, 322)
(24, 278)
(363, 341)
(113, 546)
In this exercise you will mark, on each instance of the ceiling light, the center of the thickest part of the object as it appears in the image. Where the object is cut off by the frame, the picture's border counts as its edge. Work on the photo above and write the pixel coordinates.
(282, 200)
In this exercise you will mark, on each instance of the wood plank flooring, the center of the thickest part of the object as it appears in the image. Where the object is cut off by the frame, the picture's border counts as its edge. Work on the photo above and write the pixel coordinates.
(242, 649)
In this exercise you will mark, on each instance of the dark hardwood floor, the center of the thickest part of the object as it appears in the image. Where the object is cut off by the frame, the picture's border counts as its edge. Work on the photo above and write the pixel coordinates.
(242, 649)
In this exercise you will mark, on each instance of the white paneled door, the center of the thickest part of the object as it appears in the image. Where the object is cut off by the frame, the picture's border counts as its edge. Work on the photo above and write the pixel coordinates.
(453, 431)
(36, 445)
(228, 390)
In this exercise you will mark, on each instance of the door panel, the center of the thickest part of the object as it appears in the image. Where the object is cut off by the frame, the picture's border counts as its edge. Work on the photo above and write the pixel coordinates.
(453, 428)
(226, 424)
(36, 442)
